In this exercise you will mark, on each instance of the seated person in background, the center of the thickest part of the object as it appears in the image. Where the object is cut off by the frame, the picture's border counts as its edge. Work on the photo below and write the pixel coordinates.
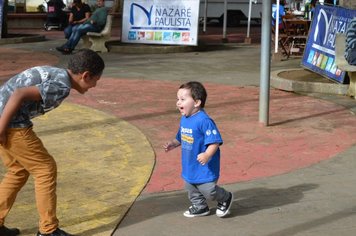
(350, 50)
(95, 23)
(80, 12)
(282, 13)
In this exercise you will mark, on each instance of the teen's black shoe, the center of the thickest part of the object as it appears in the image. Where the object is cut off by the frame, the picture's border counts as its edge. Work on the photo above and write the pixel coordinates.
(194, 211)
(57, 232)
(223, 208)
(4, 231)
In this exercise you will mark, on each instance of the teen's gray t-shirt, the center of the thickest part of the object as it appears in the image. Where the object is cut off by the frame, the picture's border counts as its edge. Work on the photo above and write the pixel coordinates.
(54, 86)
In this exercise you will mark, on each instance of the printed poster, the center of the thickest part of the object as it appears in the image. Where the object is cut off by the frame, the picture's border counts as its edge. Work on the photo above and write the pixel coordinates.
(173, 22)
(319, 53)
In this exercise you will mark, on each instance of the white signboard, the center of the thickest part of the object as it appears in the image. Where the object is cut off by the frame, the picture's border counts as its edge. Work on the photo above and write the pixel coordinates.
(173, 22)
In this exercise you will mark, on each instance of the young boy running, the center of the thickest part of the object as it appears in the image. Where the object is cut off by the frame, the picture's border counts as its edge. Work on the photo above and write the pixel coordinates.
(200, 140)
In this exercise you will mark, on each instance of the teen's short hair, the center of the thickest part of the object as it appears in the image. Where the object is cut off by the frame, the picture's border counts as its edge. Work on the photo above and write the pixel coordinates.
(86, 60)
(198, 91)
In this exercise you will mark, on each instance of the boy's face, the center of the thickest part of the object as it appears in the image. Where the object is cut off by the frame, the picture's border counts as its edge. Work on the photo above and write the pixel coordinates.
(87, 82)
(186, 105)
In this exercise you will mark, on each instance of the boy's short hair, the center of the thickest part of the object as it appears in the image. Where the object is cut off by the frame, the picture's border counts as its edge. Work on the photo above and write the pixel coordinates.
(197, 90)
(86, 60)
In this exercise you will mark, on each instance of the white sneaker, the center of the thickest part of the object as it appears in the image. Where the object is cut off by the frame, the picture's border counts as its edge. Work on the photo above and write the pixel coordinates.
(193, 212)
(223, 208)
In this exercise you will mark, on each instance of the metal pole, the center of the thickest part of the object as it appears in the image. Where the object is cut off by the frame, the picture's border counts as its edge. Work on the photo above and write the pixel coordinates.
(225, 19)
(249, 19)
(276, 28)
(265, 62)
(205, 15)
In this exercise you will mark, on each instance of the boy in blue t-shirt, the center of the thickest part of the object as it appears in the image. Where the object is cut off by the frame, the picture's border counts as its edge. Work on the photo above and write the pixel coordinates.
(200, 140)
(28, 94)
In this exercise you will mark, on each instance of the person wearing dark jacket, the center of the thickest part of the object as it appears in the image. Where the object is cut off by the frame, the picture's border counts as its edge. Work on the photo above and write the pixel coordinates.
(80, 12)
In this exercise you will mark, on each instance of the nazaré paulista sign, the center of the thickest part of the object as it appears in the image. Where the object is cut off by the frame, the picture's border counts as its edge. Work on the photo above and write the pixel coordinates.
(173, 22)
(319, 53)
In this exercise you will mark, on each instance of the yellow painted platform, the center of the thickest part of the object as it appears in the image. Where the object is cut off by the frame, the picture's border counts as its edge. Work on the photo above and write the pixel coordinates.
(103, 164)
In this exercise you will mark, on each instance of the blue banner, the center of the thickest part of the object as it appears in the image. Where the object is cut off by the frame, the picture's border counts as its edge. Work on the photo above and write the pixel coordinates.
(1, 16)
(319, 53)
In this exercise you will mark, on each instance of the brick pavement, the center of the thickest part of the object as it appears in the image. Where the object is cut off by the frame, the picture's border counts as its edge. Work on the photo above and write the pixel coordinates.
(303, 132)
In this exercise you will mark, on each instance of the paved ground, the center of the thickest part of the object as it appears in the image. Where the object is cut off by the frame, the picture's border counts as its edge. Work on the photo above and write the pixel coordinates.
(294, 177)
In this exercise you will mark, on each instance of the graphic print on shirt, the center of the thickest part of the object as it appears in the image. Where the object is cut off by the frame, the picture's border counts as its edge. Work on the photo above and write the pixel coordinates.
(187, 138)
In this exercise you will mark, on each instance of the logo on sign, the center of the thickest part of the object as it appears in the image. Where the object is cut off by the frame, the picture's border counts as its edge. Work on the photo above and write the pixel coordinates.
(148, 13)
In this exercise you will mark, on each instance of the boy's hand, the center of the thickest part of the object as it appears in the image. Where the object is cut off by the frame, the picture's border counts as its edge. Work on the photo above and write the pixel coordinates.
(203, 158)
(169, 146)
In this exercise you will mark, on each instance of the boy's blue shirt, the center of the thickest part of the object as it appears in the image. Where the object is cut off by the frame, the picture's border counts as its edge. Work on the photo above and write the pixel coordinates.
(195, 134)
(54, 86)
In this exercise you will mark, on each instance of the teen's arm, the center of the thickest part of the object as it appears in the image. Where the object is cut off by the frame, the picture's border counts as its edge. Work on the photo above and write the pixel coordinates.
(204, 157)
(13, 104)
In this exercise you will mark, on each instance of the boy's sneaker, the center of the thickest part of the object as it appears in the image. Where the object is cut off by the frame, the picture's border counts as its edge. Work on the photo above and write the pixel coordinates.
(223, 208)
(193, 212)
(57, 232)
(4, 231)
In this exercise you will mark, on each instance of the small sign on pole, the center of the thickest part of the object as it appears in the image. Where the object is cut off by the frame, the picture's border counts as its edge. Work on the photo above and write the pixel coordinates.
(173, 22)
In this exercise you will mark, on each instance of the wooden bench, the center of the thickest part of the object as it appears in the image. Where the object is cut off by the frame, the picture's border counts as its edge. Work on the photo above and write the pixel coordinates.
(340, 61)
(96, 40)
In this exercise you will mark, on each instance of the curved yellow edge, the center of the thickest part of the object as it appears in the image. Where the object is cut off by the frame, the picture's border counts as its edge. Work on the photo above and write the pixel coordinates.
(103, 165)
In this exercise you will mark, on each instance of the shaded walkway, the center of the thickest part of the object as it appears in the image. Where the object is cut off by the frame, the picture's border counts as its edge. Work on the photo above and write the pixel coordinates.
(141, 90)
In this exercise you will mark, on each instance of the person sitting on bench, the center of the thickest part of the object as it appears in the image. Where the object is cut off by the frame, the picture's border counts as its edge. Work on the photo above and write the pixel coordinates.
(80, 12)
(95, 23)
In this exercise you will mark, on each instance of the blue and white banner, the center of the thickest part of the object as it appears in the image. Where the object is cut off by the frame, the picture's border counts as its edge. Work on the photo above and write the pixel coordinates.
(319, 53)
(173, 22)
(1, 16)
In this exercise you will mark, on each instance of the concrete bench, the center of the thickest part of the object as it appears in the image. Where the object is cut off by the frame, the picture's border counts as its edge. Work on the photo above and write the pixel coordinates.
(96, 40)
(342, 64)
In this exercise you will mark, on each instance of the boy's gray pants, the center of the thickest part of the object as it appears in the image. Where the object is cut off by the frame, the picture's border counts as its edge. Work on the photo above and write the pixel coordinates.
(198, 194)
